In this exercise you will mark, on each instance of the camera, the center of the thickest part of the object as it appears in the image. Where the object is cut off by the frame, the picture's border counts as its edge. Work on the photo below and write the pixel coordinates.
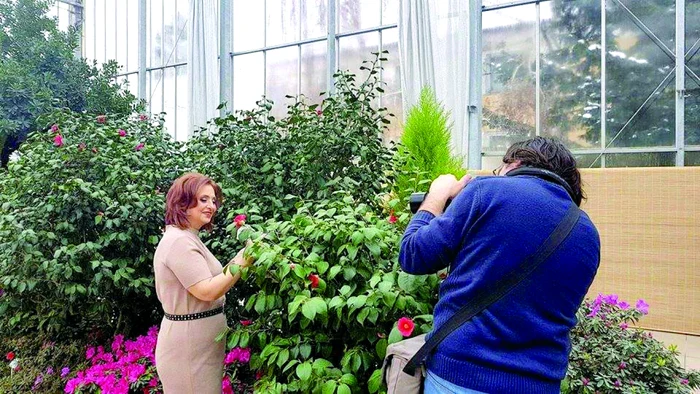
(416, 200)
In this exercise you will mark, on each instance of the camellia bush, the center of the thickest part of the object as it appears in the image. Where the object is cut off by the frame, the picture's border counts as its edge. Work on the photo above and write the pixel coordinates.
(81, 212)
(328, 297)
(609, 355)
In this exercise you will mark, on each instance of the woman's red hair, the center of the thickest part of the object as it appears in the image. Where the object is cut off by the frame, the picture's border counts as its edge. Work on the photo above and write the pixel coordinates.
(183, 196)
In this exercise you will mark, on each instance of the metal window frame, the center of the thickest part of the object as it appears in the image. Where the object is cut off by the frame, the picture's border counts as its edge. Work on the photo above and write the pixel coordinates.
(679, 73)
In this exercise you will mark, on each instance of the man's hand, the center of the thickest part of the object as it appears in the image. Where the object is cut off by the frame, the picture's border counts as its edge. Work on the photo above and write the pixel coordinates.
(443, 188)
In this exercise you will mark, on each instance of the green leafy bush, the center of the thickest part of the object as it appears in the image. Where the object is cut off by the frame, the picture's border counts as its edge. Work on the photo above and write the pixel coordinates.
(39, 73)
(425, 150)
(81, 211)
(609, 355)
(326, 298)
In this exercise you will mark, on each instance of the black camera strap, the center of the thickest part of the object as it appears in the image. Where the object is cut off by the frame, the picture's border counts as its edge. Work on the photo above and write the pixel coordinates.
(485, 297)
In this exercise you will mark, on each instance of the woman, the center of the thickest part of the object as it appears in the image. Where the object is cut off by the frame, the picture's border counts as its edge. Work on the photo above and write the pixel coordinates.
(191, 284)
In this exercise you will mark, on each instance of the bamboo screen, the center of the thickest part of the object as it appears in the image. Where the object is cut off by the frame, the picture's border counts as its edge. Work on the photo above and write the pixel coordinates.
(649, 224)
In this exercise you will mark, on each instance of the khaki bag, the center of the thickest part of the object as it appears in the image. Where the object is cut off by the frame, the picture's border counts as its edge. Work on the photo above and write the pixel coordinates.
(397, 356)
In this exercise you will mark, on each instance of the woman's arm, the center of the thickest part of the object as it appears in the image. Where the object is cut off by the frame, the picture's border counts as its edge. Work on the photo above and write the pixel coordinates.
(215, 287)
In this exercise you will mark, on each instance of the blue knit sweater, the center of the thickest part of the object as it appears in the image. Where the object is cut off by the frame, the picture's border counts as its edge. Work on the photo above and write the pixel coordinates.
(521, 343)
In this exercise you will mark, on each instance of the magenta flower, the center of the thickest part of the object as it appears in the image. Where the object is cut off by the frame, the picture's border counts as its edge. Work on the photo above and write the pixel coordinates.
(684, 381)
(610, 299)
(622, 365)
(139, 146)
(585, 381)
(239, 220)
(49, 371)
(405, 326)
(392, 218)
(2, 292)
(122, 133)
(64, 372)
(246, 323)
(54, 128)
(58, 140)
(319, 112)
(38, 381)
(617, 383)
(642, 307)
(594, 311)
(623, 305)
(244, 356)
(90, 353)
(101, 118)
(143, 117)
(226, 386)
(623, 326)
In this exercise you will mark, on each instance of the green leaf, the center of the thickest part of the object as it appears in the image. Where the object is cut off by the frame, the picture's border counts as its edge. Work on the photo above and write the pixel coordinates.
(375, 381)
(98, 219)
(344, 389)
(260, 304)
(304, 371)
(308, 310)
(329, 387)
(352, 251)
(305, 350)
(334, 271)
(282, 357)
(408, 283)
(380, 348)
(322, 267)
(395, 335)
(349, 273)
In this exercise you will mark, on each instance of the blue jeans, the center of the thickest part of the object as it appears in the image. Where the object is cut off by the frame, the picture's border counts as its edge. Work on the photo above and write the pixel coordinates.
(437, 385)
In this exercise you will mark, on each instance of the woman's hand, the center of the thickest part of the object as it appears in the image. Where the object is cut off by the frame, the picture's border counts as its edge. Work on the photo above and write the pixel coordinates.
(240, 259)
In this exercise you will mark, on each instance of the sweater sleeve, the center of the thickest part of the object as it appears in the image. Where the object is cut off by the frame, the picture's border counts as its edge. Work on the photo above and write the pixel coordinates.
(187, 263)
(431, 243)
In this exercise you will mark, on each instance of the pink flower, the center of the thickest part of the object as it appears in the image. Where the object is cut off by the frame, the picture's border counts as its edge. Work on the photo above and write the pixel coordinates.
(314, 280)
(143, 117)
(226, 386)
(122, 133)
(642, 307)
(623, 305)
(232, 356)
(58, 140)
(617, 383)
(246, 323)
(101, 118)
(623, 326)
(684, 381)
(406, 326)
(622, 365)
(239, 220)
(244, 356)
(90, 353)
(54, 128)
(319, 112)
(139, 146)
(585, 381)
(10, 356)
(49, 371)
(64, 372)
(392, 218)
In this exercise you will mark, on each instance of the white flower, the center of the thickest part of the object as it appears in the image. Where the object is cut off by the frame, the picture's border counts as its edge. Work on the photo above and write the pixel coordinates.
(14, 364)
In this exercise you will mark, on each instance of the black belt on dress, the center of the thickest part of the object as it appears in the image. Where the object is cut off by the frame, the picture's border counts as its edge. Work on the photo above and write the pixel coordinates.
(195, 316)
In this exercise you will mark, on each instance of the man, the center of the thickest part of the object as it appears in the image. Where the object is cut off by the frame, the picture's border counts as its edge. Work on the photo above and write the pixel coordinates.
(520, 344)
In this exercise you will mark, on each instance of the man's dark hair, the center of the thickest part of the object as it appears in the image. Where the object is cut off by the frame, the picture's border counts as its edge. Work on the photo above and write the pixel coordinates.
(549, 154)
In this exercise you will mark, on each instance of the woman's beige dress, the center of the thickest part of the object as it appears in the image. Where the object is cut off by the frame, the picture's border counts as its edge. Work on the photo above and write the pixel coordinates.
(188, 360)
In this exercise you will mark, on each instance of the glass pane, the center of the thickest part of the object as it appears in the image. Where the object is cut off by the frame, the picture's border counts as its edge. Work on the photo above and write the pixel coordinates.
(170, 35)
(100, 32)
(313, 70)
(133, 84)
(570, 72)
(508, 76)
(89, 30)
(132, 34)
(110, 30)
(391, 75)
(358, 14)
(314, 17)
(489, 3)
(155, 91)
(248, 80)
(181, 32)
(169, 88)
(692, 158)
(635, 67)
(587, 161)
(282, 21)
(182, 108)
(121, 34)
(652, 159)
(354, 50)
(281, 78)
(393, 102)
(692, 86)
(248, 25)
(390, 12)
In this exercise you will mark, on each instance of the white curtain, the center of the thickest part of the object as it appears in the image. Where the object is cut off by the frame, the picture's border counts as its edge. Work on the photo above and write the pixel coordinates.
(434, 51)
(202, 59)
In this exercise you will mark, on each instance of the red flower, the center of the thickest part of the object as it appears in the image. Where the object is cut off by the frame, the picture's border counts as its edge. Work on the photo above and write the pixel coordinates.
(139, 146)
(54, 128)
(405, 326)
(122, 133)
(239, 220)
(10, 356)
(246, 323)
(58, 140)
(314, 280)
(258, 375)
(143, 117)
(101, 118)
(319, 112)
(392, 218)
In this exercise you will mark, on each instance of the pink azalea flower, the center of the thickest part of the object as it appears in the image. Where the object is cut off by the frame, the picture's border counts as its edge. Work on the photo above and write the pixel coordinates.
(405, 326)
(122, 133)
(392, 218)
(101, 118)
(90, 353)
(54, 128)
(239, 220)
(58, 140)
(684, 381)
(139, 146)
(623, 305)
(244, 355)
(226, 386)
(246, 323)
(585, 381)
(642, 307)
(319, 112)
(623, 326)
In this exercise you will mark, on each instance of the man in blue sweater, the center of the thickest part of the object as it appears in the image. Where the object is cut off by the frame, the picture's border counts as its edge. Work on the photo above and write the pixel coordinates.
(520, 344)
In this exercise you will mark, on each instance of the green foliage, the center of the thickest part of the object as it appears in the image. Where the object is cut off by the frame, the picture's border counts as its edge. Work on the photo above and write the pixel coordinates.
(39, 72)
(36, 355)
(79, 224)
(425, 150)
(609, 355)
(326, 297)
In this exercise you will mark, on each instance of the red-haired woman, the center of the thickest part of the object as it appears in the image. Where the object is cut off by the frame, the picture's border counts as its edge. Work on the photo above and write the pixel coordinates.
(191, 285)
